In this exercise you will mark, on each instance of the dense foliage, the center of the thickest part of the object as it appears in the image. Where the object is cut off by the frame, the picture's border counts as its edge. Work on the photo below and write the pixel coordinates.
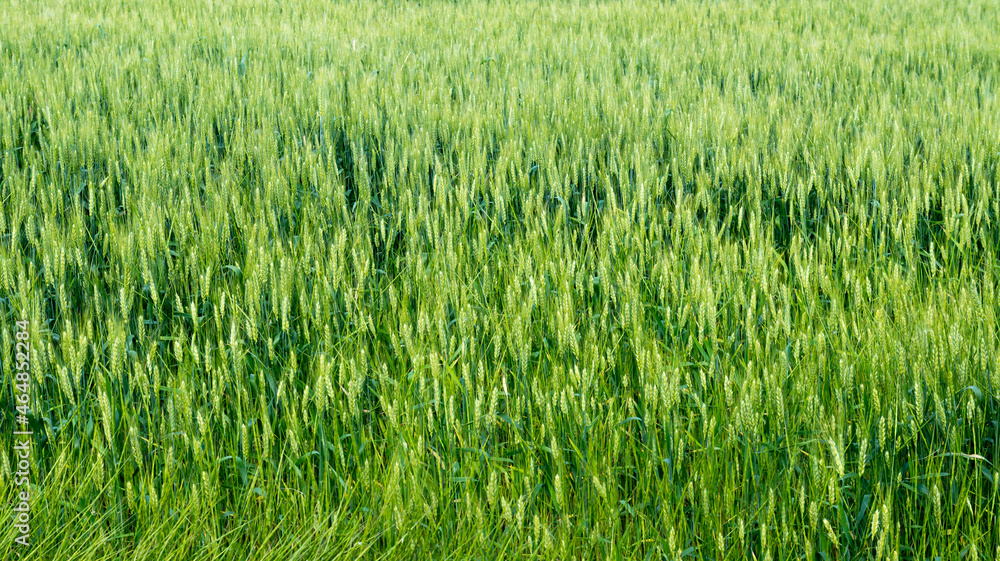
(708, 280)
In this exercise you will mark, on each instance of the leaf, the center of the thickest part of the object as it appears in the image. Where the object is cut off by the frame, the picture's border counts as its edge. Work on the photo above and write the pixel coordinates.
(986, 472)
(631, 419)
(305, 457)
(962, 455)
(628, 507)
(510, 421)
(864, 508)
(930, 475)
(975, 391)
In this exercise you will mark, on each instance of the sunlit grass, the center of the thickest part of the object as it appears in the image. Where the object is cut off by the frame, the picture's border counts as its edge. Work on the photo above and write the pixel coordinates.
(569, 280)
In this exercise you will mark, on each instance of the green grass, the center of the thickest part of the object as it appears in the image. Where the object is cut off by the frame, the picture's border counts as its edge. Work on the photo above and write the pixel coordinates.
(623, 280)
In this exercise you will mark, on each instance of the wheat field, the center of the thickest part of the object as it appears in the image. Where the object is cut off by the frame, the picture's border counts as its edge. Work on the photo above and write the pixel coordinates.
(500, 280)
